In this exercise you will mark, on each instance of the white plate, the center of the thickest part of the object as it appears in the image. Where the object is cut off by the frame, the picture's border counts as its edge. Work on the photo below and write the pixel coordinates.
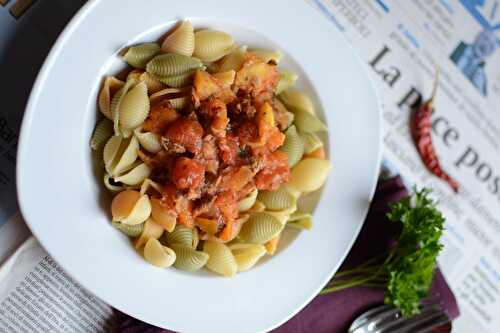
(60, 197)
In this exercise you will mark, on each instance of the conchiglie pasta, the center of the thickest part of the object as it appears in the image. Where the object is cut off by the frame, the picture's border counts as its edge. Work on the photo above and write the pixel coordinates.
(149, 184)
(102, 132)
(188, 259)
(260, 228)
(295, 100)
(111, 185)
(277, 200)
(138, 56)
(152, 83)
(149, 141)
(181, 236)
(119, 154)
(309, 174)
(129, 230)
(257, 207)
(130, 207)
(287, 80)
(247, 202)
(135, 176)
(171, 64)
(116, 104)
(180, 41)
(247, 255)
(134, 108)
(110, 87)
(293, 146)
(234, 60)
(158, 255)
(211, 45)
(308, 123)
(268, 55)
(300, 220)
(221, 260)
(272, 245)
(178, 81)
(151, 230)
(311, 142)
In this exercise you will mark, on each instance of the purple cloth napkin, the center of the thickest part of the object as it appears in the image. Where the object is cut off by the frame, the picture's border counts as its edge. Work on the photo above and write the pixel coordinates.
(334, 312)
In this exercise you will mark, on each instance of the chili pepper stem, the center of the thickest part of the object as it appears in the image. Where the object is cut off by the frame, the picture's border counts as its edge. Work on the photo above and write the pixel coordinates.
(430, 102)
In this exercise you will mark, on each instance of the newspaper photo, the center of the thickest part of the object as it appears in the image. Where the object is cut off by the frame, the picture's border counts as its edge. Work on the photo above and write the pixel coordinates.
(403, 44)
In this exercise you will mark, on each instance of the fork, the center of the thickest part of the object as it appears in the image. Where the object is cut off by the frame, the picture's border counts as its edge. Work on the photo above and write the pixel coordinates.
(386, 319)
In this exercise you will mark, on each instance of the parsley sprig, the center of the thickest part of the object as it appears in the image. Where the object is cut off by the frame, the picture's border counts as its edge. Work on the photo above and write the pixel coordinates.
(407, 269)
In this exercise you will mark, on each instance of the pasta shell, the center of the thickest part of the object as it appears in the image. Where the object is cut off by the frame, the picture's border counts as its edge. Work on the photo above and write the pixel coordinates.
(311, 142)
(110, 87)
(221, 260)
(173, 95)
(153, 84)
(151, 230)
(293, 146)
(297, 215)
(301, 223)
(234, 60)
(102, 132)
(110, 152)
(226, 78)
(178, 81)
(282, 215)
(116, 104)
(247, 255)
(149, 141)
(147, 184)
(135, 176)
(180, 41)
(272, 245)
(260, 228)
(172, 64)
(158, 255)
(162, 216)
(134, 108)
(287, 80)
(110, 184)
(309, 174)
(140, 212)
(257, 207)
(196, 238)
(273, 56)
(295, 100)
(119, 154)
(181, 236)
(130, 207)
(277, 200)
(129, 230)
(188, 259)
(247, 202)
(308, 123)
(211, 45)
(138, 56)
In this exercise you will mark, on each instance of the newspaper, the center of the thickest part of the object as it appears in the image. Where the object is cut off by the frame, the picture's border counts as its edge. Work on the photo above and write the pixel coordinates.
(402, 44)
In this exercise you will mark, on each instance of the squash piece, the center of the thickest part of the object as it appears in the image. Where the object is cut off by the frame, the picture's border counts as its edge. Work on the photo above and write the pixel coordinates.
(205, 85)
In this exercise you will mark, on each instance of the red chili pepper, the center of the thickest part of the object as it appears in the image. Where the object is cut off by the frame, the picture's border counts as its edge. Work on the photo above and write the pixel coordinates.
(421, 131)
